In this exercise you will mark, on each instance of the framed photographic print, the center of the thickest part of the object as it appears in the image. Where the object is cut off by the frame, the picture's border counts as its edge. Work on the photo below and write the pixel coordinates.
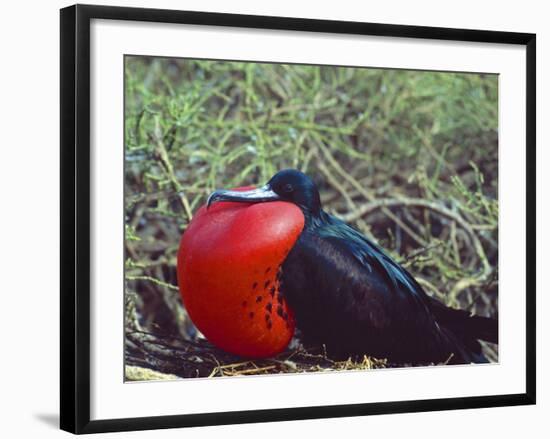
(302, 218)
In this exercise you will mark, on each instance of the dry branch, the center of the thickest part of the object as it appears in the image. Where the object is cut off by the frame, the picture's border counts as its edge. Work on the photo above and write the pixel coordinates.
(194, 359)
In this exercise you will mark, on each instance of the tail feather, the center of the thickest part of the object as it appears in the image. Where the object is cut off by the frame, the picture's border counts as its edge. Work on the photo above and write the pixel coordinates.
(485, 328)
(464, 325)
(463, 352)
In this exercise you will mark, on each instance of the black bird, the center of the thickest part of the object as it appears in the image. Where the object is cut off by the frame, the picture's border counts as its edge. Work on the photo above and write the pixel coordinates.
(349, 295)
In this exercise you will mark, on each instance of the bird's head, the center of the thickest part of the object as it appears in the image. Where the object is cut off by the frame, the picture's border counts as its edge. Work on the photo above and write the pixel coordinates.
(286, 185)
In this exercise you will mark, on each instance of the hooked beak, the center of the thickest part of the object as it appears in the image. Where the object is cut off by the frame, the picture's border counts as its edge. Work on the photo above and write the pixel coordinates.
(259, 195)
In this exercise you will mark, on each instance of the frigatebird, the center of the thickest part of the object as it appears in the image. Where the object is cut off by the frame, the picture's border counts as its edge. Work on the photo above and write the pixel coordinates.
(350, 296)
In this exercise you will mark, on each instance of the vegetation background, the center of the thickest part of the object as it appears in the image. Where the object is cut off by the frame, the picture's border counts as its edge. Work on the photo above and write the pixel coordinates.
(410, 158)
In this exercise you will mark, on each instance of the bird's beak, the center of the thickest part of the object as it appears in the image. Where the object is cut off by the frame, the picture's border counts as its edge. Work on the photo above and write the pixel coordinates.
(259, 195)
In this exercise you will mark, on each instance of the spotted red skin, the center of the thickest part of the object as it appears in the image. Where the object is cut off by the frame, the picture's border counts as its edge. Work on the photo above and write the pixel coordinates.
(228, 265)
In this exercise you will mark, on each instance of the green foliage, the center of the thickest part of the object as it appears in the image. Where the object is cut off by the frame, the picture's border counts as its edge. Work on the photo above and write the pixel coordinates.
(409, 157)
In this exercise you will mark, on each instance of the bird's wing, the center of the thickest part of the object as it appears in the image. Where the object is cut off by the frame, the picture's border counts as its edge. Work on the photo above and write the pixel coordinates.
(374, 259)
(346, 293)
(350, 294)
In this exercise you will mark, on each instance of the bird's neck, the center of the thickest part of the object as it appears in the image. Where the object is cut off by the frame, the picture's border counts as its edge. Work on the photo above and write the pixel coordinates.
(314, 219)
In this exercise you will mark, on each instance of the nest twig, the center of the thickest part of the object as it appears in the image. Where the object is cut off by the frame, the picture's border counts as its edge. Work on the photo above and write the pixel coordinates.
(176, 357)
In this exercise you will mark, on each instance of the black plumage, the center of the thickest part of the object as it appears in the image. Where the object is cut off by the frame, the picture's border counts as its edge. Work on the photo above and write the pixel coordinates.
(349, 295)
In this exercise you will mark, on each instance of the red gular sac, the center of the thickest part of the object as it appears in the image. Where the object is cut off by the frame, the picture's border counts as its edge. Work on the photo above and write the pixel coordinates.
(229, 264)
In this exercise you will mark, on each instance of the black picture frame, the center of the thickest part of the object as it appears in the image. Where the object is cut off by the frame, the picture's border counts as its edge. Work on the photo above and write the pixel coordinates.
(75, 216)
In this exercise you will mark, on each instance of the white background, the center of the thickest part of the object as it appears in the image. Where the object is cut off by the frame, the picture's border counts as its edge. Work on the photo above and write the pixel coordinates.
(30, 204)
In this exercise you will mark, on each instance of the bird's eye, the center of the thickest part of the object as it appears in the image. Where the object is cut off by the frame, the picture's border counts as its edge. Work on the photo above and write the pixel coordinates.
(287, 188)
